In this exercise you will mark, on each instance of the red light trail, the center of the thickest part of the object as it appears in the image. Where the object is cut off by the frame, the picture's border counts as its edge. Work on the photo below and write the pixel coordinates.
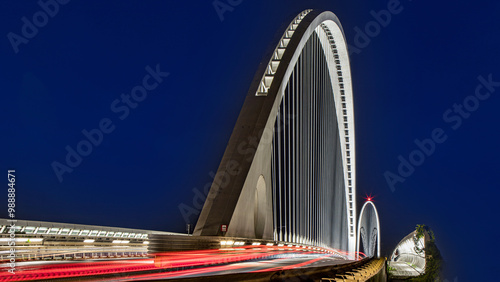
(173, 264)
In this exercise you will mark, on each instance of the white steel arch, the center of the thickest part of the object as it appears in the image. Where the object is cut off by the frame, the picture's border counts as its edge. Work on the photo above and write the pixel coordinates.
(333, 46)
(317, 36)
(368, 210)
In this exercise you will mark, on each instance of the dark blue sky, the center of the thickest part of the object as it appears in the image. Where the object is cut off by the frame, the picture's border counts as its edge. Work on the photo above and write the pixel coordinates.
(65, 78)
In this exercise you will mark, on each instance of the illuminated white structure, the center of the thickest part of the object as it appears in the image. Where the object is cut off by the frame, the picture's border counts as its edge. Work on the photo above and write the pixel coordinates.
(52, 240)
(368, 230)
(408, 258)
(288, 172)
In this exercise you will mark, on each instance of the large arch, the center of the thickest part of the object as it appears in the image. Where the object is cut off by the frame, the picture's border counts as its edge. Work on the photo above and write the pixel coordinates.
(306, 76)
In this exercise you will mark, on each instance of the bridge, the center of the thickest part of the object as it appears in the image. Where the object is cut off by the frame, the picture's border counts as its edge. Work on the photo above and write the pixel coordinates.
(296, 183)
(285, 190)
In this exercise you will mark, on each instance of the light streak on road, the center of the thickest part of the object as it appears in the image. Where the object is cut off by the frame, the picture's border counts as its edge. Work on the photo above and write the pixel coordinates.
(241, 259)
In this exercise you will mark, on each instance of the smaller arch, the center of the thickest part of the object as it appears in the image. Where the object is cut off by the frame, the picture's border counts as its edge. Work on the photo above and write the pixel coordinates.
(360, 227)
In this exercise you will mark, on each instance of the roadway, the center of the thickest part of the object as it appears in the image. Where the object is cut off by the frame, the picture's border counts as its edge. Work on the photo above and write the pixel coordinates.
(175, 265)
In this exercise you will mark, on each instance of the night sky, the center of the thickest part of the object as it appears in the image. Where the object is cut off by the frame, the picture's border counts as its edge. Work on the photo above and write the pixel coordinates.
(415, 74)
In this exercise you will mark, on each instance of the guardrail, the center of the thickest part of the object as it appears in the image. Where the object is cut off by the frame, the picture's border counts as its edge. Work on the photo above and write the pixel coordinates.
(361, 273)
